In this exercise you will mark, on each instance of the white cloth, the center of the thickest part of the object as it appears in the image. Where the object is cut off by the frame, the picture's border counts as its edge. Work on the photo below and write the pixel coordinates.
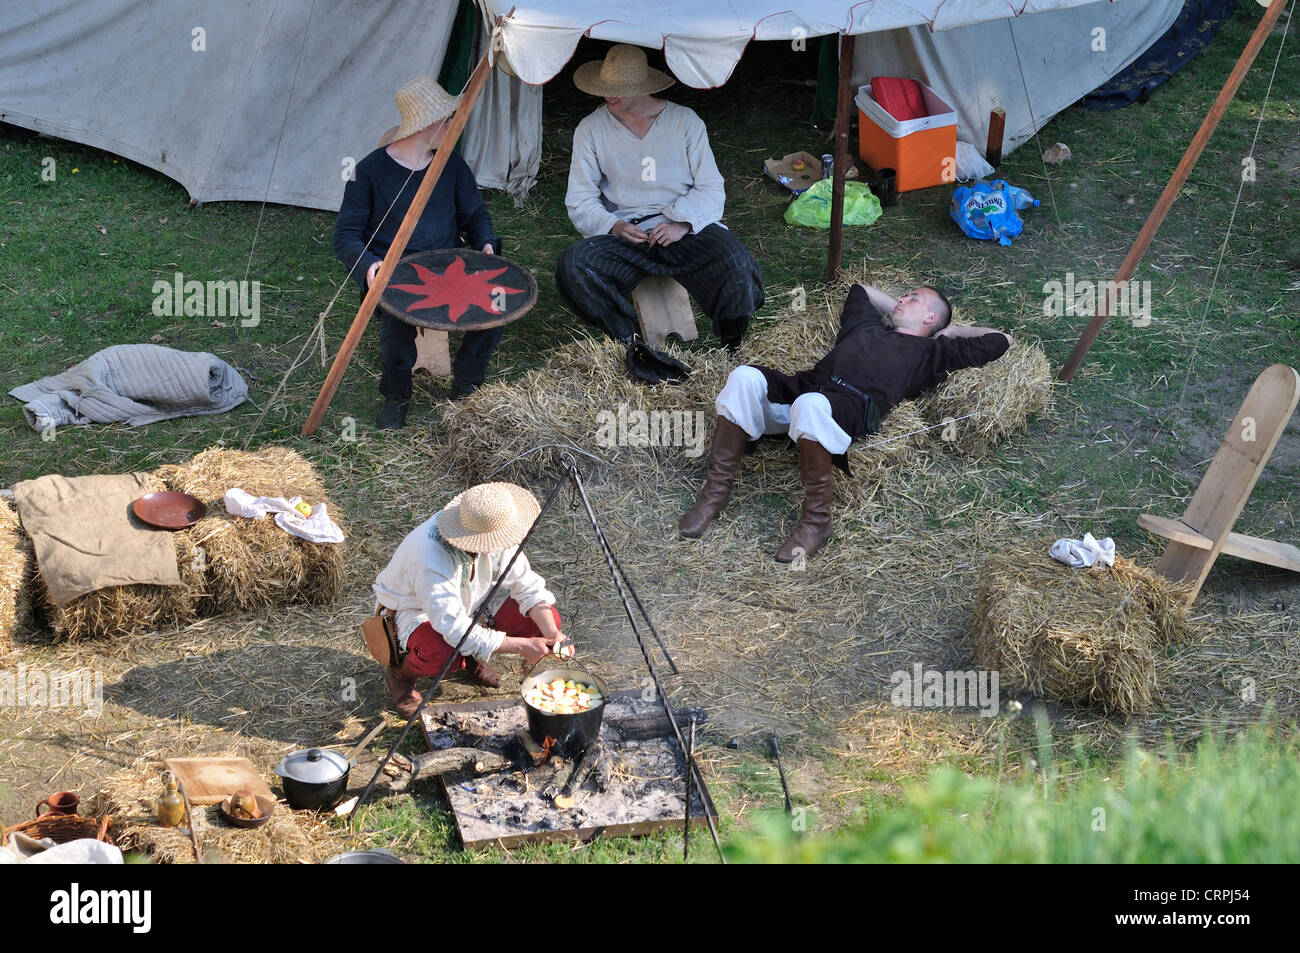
(319, 528)
(670, 172)
(743, 401)
(1081, 553)
(84, 851)
(424, 583)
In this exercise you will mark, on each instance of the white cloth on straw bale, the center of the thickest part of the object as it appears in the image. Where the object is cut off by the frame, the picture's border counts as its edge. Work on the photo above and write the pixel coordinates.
(1082, 553)
(319, 528)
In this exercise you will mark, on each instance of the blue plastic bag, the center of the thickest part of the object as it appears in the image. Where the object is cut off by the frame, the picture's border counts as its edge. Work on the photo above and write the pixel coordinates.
(988, 210)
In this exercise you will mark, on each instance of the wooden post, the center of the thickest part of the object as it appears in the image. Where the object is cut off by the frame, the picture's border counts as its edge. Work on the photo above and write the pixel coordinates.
(842, 107)
(376, 290)
(1175, 184)
(997, 129)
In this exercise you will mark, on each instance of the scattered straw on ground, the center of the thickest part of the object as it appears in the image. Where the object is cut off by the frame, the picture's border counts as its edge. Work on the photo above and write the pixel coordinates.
(17, 566)
(289, 837)
(1086, 636)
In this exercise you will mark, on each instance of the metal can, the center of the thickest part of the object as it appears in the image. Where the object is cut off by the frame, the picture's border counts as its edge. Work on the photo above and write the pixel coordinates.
(828, 166)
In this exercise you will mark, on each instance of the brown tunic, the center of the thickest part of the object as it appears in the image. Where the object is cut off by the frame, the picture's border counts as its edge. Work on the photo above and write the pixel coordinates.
(886, 365)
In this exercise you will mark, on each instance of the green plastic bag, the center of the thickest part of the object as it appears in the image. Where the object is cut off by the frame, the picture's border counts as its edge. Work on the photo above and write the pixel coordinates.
(813, 208)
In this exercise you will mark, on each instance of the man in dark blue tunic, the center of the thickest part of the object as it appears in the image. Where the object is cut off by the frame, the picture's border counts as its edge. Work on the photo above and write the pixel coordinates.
(374, 204)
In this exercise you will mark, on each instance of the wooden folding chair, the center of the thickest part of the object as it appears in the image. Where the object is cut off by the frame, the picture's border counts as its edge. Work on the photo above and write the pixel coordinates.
(1205, 530)
(663, 307)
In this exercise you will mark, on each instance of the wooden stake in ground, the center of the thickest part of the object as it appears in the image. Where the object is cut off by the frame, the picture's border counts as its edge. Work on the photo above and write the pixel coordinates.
(1175, 184)
(841, 157)
(431, 175)
(997, 128)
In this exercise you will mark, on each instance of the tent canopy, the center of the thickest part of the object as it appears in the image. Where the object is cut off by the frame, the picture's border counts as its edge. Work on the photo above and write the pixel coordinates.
(702, 40)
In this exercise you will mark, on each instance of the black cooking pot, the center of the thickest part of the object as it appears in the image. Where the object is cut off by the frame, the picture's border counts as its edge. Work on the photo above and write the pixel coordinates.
(570, 733)
(315, 779)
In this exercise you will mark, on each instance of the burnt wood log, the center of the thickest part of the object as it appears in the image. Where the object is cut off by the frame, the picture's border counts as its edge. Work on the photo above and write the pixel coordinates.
(652, 725)
(452, 760)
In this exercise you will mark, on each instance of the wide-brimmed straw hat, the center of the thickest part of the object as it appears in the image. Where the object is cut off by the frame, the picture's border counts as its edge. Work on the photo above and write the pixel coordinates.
(421, 102)
(623, 72)
(488, 518)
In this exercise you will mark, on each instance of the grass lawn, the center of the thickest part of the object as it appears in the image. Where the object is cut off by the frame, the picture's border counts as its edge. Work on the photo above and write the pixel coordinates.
(79, 256)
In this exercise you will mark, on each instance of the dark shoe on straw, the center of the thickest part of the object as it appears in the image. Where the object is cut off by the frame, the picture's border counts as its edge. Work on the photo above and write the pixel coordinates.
(393, 414)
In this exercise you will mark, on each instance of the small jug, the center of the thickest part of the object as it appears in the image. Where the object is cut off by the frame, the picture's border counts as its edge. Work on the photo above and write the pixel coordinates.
(171, 806)
(61, 802)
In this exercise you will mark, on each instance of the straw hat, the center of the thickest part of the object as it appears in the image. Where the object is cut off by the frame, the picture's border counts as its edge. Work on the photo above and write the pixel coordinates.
(488, 518)
(422, 102)
(623, 72)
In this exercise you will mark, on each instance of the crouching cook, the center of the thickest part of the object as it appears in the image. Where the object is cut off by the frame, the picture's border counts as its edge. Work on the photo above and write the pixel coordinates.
(442, 572)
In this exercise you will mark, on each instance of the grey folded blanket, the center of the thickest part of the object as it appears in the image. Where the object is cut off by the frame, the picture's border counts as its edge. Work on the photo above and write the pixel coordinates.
(135, 384)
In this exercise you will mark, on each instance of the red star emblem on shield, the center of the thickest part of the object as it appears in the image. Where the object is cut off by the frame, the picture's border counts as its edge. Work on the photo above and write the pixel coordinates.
(457, 289)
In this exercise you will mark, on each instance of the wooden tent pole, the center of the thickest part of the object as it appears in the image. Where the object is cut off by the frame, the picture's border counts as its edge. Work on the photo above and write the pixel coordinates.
(1175, 184)
(431, 175)
(842, 106)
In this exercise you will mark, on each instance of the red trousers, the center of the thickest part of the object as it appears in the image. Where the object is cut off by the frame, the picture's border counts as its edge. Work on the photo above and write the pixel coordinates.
(427, 651)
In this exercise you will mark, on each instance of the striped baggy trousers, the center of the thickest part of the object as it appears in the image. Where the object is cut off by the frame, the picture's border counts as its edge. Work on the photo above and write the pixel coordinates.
(597, 274)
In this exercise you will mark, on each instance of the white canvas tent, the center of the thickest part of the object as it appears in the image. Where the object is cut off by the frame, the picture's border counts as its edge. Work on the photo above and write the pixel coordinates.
(1031, 58)
(284, 92)
(259, 99)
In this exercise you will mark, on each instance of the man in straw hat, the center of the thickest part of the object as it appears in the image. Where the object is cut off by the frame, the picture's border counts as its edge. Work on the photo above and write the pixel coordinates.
(647, 196)
(374, 204)
(888, 350)
(442, 572)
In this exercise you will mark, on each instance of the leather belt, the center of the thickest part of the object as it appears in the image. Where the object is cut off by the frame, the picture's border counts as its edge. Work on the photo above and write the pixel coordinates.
(870, 412)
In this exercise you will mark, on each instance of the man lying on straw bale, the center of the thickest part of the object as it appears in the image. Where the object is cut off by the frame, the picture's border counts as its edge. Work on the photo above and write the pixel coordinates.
(374, 205)
(440, 575)
(887, 351)
(646, 193)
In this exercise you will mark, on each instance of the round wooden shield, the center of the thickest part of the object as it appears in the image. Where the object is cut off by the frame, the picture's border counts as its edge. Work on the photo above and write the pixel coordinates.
(456, 289)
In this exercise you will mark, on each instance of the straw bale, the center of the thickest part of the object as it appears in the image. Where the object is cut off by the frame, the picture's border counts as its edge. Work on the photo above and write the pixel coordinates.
(270, 471)
(253, 564)
(996, 400)
(289, 837)
(498, 430)
(1087, 636)
(17, 569)
(122, 610)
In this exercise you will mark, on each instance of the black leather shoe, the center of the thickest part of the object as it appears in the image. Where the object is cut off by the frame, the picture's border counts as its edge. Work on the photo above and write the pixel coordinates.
(393, 414)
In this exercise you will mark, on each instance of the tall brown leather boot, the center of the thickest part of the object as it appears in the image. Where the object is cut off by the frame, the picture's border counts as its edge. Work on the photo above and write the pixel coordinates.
(729, 442)
(818, 496)
(401, 685)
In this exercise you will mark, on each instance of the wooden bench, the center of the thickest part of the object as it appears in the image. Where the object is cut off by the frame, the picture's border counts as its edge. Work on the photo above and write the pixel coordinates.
(1205, 529)
(432, 353)
(663, 307)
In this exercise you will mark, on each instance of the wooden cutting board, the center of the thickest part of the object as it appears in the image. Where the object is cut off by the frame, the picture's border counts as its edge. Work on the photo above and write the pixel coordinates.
(211, 780)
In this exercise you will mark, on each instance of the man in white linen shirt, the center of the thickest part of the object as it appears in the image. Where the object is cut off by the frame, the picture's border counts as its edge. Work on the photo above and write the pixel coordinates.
(646, 193)
(440, 575)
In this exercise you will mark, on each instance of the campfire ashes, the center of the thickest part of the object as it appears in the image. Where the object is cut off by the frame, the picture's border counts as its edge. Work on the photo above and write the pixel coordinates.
(638, 785)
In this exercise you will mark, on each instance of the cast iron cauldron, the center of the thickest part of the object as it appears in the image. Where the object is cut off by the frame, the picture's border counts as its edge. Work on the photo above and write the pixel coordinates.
(314, 779)
(572, 733)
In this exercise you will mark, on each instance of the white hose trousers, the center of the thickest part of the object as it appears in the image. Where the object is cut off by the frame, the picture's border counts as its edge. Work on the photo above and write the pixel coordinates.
(744, 402)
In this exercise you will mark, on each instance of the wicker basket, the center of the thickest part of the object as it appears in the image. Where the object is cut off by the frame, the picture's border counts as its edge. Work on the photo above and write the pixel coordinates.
(62, 828)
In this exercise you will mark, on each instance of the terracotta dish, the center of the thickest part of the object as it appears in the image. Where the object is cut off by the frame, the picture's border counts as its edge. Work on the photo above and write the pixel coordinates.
(169, 510)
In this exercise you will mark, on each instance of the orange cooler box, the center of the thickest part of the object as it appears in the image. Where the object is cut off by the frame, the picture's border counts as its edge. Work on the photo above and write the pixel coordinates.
(922, 151)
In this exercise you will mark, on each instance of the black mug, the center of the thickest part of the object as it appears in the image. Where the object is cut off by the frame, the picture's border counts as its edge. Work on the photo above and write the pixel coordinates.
(885, 186)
